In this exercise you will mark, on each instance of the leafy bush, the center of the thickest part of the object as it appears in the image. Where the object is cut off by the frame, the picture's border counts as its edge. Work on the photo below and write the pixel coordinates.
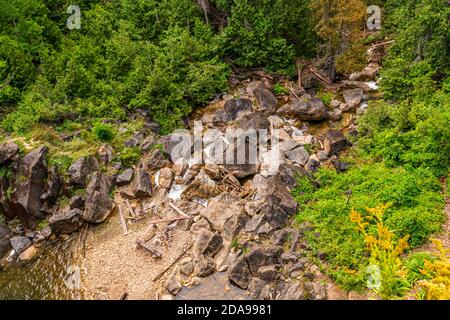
(129, 156)
(415, 209)
(414, 264)
(386, 269)
(420, 53)
(279, 89)
(103, 131)
(415, 135)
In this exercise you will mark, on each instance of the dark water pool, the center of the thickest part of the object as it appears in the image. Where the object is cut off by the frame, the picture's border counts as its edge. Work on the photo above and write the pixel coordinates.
(52, 276)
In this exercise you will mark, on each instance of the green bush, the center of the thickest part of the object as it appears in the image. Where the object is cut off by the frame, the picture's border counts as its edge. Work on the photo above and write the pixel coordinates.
(129, 156)
(414, 263)
(103, 131)
(414, 135)
(415, 209)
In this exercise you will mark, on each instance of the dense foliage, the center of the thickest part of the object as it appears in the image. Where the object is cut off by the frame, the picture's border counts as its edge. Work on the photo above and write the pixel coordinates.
(167, 56)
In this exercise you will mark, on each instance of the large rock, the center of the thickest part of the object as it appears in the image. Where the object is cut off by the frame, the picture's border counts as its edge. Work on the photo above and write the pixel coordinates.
(125, 177)
(66, 221)
(30, 183)
(293, 291)
(81, 169)
(255, 121)
(204, 266)
(353, 97)
(202, 187)
(335, 142)
(223, 217)
(232, 110)
(20, 244)
(312, 110)
(8, 152)
(141, 186)
(98, 204)
(165, 178)
(290, 174)
(207, 243)
(298, 155)
(5, 203)
(29, 254)
(262, 256)
(239, 273)
(173, 283)
(275, 200)
(52, 190)
(368, 73)
(5, 244)
(265, 98)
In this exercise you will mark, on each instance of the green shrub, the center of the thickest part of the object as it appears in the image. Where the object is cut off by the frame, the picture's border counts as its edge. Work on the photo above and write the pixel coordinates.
(414, 135)
(280, 90)
(103, 131)
(414, 263)
(129, 156)
(415, 209)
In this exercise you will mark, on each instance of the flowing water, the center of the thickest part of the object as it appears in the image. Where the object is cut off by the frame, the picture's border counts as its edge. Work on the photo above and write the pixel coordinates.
(52, 276)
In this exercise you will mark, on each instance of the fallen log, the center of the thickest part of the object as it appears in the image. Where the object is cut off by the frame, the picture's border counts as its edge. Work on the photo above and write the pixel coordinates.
(173, 262)
(123, 222)
(174, 207)
(149, 248)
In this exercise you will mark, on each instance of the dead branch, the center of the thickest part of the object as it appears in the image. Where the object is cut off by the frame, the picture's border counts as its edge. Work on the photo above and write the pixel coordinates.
(173, 262)
(123, 222)
(130, 209)
(149, 248)
(174, 207)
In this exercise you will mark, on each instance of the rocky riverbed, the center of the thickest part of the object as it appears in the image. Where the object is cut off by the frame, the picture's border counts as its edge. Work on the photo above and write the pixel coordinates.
(172, 228)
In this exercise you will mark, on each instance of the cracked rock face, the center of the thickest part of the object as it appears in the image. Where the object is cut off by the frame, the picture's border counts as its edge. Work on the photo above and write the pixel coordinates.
(29, 185)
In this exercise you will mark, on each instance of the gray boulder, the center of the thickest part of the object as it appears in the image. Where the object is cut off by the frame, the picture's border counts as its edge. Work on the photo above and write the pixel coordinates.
(81, 169)
(20, 244)
(8, 152)
(125, 177)
(312, 110)
(66, 221)
(239, 273)
(232, 110)
(141, 186)
(31, 178)
(335, 142)
(265, 98)
(5, 244)
(298, 155)
(353, 97)
(98, 204)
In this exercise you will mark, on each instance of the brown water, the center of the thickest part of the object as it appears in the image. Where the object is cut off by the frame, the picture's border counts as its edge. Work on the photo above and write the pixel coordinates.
(45, 278)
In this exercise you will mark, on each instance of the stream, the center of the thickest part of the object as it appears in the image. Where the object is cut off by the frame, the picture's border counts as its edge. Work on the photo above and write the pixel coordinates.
(45, 278)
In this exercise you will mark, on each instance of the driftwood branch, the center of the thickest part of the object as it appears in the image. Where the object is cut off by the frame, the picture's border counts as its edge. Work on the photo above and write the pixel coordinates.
(149, 248)
(173, 262)
(174, 207)
(130, 209)
(123, 222)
